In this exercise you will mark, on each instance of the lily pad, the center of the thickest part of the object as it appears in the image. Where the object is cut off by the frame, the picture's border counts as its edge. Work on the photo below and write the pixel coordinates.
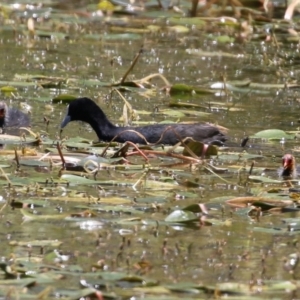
(181, 216)
(273, 134)
(64, 98)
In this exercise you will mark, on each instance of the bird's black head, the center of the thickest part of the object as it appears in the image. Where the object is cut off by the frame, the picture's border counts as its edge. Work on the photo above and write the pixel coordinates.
(80, 109)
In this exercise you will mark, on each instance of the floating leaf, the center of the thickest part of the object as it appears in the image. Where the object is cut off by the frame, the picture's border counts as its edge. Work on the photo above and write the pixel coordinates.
(238, 156)
(28, 216)
(155, 290)
(64, 98)
(263, 179)
(263, 202)
(181, 216)
(88, 82)
(273, 134)
(6, 139)
(33, 163)
(224, 39)
(8, 89)
(73, 179)
(187, 21)
(276, 231)
(19, 83)
(184, 88)
(179, 29)
(106, 5)
(114, 36)
(37, 243)
(154, 28)
(197, 148)
(172, 113)
(200, 52)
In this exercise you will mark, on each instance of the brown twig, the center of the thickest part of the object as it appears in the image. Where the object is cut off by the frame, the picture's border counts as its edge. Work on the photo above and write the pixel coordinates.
(180, 140)
(147, 78)
(126, 130)
(5, 176)
(127, 104)
(140, 179)
(132, 65)
(61, 155)
(17, 159)
(60, 132)
(47, 121)
(137, 149)
(179, 156)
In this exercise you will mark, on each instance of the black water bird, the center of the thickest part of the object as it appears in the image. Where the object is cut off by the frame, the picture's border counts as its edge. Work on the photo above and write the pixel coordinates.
(86, 110)
(12, 118)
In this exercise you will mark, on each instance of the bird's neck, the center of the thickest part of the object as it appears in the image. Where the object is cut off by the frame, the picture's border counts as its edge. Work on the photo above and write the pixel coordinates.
(104, 129)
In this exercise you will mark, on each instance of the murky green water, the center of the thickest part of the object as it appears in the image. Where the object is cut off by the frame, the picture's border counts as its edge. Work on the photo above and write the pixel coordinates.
(123, 231)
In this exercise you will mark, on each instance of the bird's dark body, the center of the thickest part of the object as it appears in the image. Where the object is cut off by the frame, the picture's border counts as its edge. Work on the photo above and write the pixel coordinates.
(12, 119)
(17, 118)
(164, 133)
(84, 109)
